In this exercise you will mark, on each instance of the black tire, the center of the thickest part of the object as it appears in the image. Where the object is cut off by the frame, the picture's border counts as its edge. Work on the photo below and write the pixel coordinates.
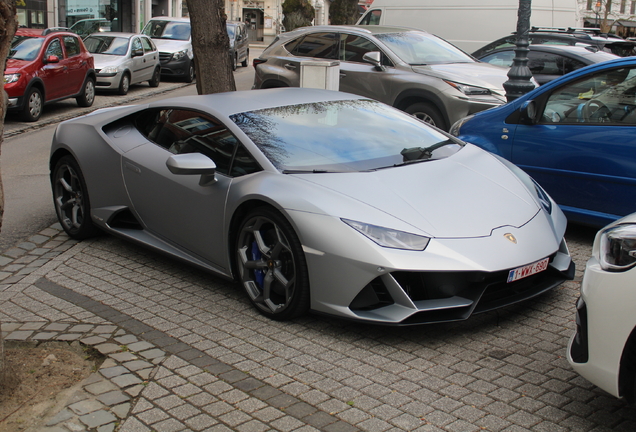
(271, 265)
(428, 114)
(156, 78)
(124, 84)
(190, 75)
(234, 61)
(247, 59)
(70, 197)
(33, 104)
(87, 97)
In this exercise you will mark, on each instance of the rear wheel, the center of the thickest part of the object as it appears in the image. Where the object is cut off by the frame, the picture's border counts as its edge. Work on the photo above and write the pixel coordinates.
(70, 197)
(87, 97)
(33, 102)
(124, 84)
(271, 265)
(427, 113)
(156, 78)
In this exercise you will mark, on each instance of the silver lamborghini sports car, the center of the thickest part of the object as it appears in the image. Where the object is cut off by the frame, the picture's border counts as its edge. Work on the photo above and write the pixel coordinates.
(314, 200)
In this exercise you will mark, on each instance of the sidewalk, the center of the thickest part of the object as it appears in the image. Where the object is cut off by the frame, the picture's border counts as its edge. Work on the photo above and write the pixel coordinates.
(187, 352)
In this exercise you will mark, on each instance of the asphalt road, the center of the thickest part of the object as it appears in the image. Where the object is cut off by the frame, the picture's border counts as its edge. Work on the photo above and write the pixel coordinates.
(25, 152)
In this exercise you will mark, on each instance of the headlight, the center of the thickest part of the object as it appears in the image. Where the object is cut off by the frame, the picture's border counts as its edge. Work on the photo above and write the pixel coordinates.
(455, 130)
(617, 248)
(109, 70)
(469, 90)
(389, 238)
(179, 55)
(11, 78)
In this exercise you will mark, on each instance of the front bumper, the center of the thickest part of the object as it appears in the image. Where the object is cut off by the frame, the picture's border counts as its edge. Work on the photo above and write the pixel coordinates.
(108, 81)
(174, 68)
(604, 322)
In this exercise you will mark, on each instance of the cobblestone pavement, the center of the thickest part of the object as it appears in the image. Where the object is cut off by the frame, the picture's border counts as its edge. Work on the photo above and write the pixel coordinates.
(186, 352)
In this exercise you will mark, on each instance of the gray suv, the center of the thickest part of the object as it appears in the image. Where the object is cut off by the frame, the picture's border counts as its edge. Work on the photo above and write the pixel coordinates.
(412, 70)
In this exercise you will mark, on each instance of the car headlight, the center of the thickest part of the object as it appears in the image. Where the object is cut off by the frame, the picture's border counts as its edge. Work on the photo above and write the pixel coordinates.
(469, 90)
(389, 238)
(455, 129)
(179, 55)
(109, 70)
(11, 78)
(617, 248)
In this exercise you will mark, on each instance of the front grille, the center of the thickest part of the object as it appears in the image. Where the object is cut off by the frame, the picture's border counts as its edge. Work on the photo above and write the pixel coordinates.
(165, 57)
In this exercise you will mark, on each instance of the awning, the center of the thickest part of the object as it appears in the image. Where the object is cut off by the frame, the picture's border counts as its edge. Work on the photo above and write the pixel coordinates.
(626, 23)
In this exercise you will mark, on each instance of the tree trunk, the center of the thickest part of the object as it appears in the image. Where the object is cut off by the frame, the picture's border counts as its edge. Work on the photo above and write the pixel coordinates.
(211, 46)
(8, 26)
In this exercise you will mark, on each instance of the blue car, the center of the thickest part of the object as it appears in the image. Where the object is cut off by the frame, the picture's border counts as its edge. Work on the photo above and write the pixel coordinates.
(576, 136)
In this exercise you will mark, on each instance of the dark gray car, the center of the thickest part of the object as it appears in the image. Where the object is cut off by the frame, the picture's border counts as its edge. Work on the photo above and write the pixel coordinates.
(409, 69)
(239, 43)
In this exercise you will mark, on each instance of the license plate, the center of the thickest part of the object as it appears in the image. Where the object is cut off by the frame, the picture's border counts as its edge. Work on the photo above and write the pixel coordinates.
(528, 270)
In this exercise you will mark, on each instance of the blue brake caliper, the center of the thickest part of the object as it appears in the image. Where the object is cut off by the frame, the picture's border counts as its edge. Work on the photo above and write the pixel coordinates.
(259, 275)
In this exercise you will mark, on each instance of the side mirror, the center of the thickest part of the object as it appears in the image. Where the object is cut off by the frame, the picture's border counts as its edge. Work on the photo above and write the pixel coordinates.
(193, 164)
(138, 53)
(375, 58)
(52, 59)
(528, 113)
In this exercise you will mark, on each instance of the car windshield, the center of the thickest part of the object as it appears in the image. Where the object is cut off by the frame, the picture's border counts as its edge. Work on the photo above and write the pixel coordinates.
(343, 136)
(106, 45)
(416, 48)
(25, 47)
(167, 30)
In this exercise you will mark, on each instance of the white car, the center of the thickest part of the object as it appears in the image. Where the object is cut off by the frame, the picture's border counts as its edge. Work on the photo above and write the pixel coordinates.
(603, 349)
(123, 59)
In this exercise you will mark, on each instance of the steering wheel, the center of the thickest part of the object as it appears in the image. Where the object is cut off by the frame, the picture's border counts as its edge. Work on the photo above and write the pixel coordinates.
(594, 111)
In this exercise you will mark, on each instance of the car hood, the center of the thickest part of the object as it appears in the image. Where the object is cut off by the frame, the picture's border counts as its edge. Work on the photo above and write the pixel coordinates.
(103, 60)
(13, 65)
(478, 74)
(170, 45)
(466, 195)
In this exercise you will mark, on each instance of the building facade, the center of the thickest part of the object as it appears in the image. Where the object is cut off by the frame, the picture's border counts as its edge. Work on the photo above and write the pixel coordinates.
(612, 16)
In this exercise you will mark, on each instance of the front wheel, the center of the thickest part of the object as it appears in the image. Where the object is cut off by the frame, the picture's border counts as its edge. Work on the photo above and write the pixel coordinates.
(87, 97)
(70, 197)
(190, 73)
(32, 105)
(428, 114)
(124, 84)
(247, 59)
(271, 265)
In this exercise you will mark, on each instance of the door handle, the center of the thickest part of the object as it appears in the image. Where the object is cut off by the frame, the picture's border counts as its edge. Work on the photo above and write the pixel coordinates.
(290, 66)
(342, 74)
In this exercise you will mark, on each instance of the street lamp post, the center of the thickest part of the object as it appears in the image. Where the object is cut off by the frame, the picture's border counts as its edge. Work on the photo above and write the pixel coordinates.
(519, 76)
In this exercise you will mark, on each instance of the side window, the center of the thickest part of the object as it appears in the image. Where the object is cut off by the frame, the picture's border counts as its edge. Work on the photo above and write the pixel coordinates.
(148, 47)
(502, 58)
(136, 45)
(318, 45)
(72, 46)
(353, 48)
(605, 97)
(54, 49)
(544, 63)
(184, 131)
(372, 17)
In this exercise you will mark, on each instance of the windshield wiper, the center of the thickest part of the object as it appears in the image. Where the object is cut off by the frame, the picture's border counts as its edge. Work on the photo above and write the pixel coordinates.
(415, 154)
(315, 171)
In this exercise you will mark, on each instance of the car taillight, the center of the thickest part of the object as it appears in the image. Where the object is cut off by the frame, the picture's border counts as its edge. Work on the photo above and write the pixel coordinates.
(258, 61)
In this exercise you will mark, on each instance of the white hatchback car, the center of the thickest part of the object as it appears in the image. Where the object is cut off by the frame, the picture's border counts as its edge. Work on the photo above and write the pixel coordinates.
(603, 349)
(123, 59)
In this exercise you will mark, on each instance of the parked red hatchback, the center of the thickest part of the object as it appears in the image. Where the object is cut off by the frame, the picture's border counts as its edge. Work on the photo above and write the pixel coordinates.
(45, 66)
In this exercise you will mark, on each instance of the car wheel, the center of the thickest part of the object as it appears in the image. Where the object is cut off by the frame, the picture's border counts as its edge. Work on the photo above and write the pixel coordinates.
(234, 61)
(156, 78)
(32, 105)
(247, 59)
(124, 84)
(427, 113)
(271, 265)
(87, 97)
(70, 197)
(190, 75)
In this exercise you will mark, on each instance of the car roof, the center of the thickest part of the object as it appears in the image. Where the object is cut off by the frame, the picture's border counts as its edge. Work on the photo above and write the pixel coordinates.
(117, 34)
(370, 29)
(167, 18)
(227, 104)
(43, 32)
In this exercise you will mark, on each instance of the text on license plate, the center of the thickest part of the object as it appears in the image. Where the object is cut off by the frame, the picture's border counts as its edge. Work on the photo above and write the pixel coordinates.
(528, 270)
